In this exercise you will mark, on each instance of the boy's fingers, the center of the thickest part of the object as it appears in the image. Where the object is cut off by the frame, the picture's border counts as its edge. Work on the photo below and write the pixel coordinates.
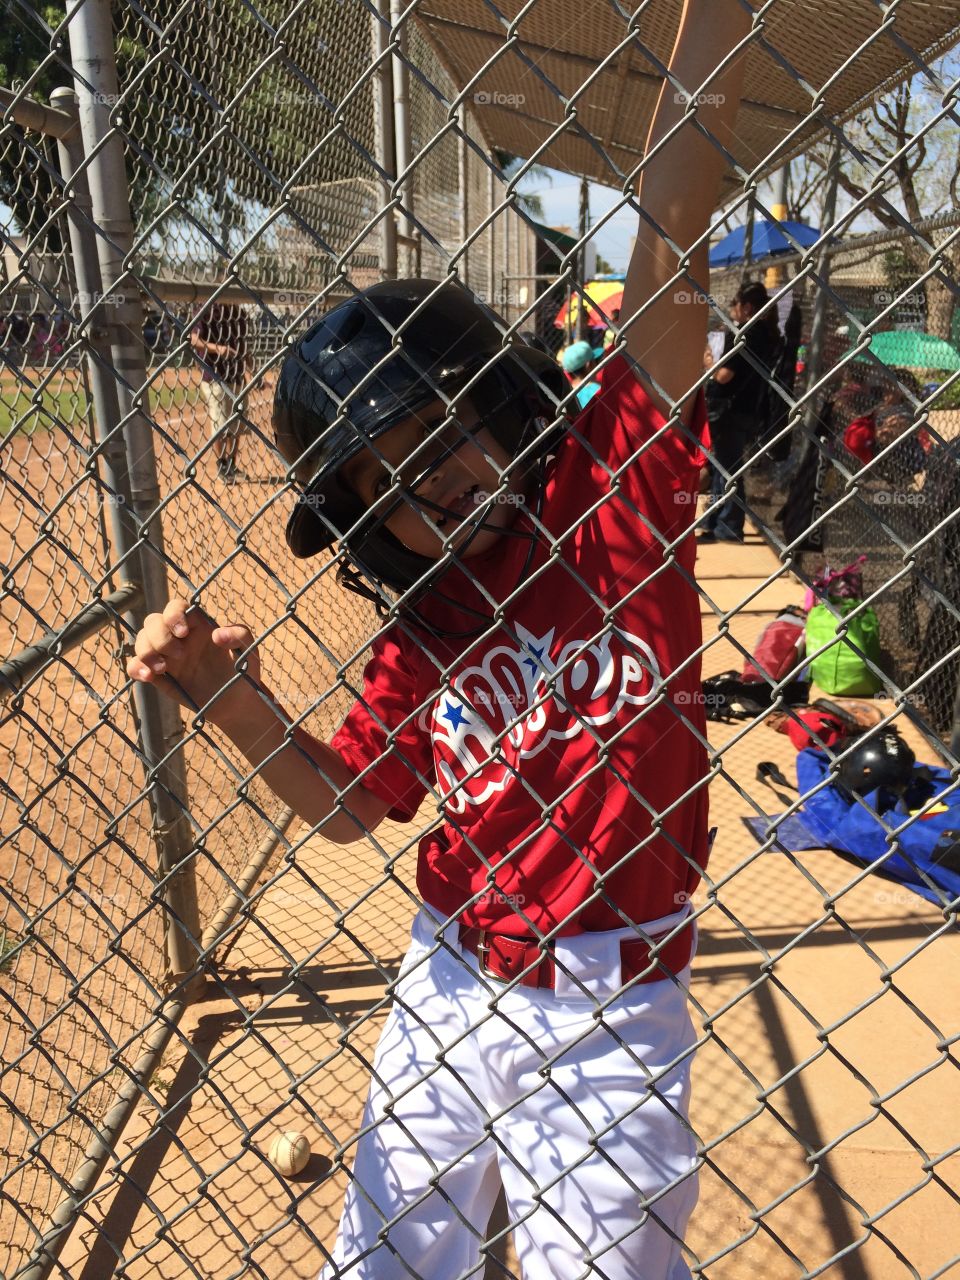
(157, 633)
(175, 616)
(233, 637)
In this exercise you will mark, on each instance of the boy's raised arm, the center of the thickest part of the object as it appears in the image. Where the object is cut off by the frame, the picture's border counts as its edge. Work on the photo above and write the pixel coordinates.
(678, 192)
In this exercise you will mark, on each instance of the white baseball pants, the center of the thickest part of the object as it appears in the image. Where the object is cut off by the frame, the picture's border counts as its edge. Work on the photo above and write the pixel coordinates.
(580, 1113)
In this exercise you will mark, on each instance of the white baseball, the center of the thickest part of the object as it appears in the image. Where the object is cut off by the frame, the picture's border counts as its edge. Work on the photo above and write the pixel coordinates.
(289, 1153)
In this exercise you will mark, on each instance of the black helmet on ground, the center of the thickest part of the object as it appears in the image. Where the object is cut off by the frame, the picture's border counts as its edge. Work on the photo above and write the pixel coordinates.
(877, 760)
(369, 364)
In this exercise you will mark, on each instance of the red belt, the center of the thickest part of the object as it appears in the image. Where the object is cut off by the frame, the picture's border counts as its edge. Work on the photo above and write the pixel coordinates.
(504, 958)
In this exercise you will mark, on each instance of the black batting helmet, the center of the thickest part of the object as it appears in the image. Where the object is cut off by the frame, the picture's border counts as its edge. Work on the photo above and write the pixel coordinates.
(877, 760)
(370, 363)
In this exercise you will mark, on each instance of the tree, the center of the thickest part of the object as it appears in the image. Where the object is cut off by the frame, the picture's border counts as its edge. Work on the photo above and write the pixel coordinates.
(26, 182)
(921, 157)
(527, 202)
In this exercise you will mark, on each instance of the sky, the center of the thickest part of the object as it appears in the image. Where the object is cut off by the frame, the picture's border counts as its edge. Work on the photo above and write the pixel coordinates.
(561, 207)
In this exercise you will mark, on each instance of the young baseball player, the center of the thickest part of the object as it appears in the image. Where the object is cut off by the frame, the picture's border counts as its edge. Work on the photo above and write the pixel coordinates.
(537, 676)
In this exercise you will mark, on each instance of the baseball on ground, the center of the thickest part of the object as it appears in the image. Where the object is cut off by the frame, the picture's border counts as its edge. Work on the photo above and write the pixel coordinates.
(289, 1153)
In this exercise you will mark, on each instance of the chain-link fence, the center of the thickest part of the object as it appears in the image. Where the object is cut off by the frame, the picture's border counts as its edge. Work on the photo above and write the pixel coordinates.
(188, 967)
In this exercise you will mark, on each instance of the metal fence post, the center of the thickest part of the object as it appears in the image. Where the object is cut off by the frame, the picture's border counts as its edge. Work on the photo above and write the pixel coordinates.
(492, 231)
(748, 236)
(463, 177)
(815, 351)
(403, 145)
(383, 132)
(775, 276)
(503, 302)
(103, 386)
(583, 220)
(160, 725)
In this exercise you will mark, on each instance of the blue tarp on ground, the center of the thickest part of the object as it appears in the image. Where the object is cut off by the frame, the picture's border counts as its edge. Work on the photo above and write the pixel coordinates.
(828, 820)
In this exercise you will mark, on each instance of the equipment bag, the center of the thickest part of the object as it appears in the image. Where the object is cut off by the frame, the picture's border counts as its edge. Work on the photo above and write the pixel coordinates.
(842, 669)
(779, 647)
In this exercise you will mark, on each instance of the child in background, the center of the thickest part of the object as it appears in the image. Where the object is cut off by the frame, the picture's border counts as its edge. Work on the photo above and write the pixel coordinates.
(579, 361)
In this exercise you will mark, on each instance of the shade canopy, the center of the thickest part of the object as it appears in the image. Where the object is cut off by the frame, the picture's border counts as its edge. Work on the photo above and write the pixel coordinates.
(525, 73)
(912, 349)
(768, 238)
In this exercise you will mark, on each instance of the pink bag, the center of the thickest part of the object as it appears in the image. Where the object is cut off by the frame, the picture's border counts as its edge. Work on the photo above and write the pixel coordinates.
(837, 584)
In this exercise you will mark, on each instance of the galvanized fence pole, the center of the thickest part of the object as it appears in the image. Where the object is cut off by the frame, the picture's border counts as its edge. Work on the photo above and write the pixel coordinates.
(582, 224)
(384, 136)
(748, 232)
(492, 230)
(402, 138)
(160, 726)
(776, 275)
(818, 323)
(95, 330)
(463, 176)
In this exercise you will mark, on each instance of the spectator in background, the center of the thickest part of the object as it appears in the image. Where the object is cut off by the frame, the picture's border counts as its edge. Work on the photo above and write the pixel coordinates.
(219, 340)
(856, 416)
(872, 418)
(737, 408)
(611, 334)
(579, 361)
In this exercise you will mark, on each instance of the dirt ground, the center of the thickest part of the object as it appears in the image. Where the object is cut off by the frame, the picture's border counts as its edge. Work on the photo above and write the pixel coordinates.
(824, 1090)
(74, 817)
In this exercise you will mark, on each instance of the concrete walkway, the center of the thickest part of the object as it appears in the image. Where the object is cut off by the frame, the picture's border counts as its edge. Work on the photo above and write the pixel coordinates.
(824, 1096)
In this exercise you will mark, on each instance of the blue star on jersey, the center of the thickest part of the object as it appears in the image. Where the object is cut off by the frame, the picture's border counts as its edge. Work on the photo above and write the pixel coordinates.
(454, 713)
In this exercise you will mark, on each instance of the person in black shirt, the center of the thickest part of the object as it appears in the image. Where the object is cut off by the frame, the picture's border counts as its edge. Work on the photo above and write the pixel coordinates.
(736, 409)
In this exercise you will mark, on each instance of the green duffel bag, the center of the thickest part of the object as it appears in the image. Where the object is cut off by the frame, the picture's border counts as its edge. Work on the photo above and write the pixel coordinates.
(841, 669)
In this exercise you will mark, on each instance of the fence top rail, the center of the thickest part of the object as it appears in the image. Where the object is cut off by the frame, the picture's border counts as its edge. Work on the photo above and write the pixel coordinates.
(30, 114)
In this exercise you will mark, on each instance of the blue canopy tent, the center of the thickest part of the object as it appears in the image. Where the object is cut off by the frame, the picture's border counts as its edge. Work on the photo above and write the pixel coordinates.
(768, 238)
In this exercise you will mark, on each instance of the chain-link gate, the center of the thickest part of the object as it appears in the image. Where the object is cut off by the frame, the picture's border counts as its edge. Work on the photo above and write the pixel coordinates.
(189, 967)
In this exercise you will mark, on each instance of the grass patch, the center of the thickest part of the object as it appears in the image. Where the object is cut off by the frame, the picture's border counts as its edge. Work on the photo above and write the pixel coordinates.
(64, 400)
(7, 947)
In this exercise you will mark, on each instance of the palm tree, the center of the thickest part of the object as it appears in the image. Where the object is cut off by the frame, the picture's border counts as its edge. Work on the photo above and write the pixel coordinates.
(526, 202)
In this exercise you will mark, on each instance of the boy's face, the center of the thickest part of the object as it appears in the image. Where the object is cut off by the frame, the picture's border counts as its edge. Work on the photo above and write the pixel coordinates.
(459, 481)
